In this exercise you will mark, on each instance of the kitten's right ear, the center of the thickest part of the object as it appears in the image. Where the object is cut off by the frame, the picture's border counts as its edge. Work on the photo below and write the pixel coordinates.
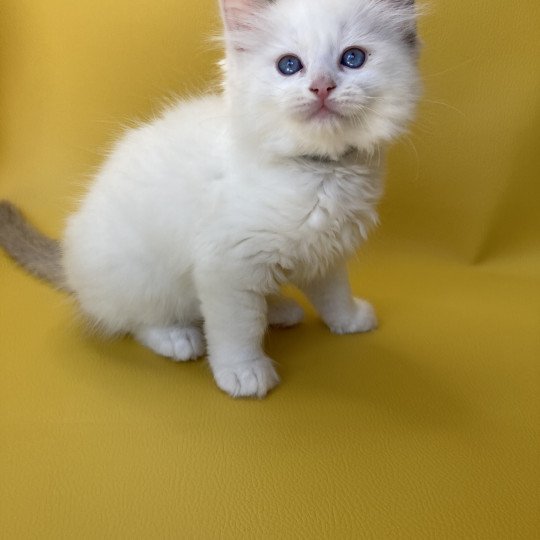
(237, 13)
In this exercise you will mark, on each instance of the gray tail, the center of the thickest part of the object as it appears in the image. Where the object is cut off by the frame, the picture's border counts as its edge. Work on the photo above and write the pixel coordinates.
(38, 254)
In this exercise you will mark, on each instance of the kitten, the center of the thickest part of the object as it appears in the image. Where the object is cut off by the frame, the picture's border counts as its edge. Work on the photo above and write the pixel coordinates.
(200, 216)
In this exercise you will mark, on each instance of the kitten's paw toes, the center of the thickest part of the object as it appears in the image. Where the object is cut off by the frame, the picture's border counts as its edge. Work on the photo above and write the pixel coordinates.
(363, 319)
(285, 313)
(254, 378)
(176, 342)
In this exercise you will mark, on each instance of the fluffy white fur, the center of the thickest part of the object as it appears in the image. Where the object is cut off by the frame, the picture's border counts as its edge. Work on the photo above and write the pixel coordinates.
(199, 217)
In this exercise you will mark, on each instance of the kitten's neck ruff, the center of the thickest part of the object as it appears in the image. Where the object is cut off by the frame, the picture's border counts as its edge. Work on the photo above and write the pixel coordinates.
(327, 160)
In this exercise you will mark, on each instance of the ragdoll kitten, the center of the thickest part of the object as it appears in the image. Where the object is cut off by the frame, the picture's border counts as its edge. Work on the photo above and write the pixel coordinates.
(200, 216)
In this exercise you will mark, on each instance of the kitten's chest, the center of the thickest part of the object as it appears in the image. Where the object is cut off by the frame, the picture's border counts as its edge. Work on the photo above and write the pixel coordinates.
(329, 216)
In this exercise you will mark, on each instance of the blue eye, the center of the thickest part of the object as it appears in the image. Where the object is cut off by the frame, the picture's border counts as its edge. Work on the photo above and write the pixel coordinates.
(353, 58)
(289, 64)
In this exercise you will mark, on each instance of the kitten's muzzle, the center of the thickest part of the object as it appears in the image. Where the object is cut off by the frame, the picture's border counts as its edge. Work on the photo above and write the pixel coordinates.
(322, 87)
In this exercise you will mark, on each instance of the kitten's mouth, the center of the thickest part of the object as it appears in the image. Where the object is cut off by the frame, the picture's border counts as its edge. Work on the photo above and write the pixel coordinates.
(324, 111)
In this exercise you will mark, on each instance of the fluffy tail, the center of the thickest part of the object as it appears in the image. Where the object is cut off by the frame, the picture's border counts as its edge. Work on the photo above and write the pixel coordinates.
(35, 252)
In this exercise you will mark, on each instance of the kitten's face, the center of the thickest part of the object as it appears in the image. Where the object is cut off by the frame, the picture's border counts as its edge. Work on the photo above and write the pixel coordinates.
(321, 76)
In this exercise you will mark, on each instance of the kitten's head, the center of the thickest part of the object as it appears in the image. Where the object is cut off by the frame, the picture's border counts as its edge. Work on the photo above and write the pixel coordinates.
(320, 76)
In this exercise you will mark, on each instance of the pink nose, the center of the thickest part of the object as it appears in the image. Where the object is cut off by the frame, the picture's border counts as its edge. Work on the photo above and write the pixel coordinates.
(322, 87)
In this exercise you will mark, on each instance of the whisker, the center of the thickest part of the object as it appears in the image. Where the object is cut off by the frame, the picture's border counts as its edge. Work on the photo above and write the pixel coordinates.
(412, 145)
(452, 68)
(444, 104)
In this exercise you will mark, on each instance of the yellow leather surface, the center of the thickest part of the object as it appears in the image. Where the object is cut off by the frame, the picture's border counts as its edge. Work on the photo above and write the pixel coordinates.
(427, 428)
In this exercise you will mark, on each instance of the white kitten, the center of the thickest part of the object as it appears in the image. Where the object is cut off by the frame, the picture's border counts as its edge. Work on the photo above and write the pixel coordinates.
(201, 216)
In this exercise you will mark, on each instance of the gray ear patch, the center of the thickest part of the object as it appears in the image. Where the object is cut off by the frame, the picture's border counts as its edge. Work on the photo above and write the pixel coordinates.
(412, 39)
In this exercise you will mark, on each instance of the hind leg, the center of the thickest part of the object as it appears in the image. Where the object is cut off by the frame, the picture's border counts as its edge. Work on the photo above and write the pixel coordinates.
(283, 312)
(179, 343)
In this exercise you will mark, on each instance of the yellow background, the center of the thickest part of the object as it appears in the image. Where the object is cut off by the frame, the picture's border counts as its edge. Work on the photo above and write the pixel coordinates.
(427, 428)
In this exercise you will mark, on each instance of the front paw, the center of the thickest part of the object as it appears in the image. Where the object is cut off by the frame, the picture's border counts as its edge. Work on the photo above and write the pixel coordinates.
(251, 378)
(362, 318)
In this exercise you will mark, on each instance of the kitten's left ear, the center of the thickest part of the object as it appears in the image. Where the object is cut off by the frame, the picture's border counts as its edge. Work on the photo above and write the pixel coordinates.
(409, 20)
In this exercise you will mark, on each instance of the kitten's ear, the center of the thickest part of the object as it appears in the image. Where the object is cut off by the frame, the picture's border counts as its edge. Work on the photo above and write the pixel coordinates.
(409, 12)
(237, 13)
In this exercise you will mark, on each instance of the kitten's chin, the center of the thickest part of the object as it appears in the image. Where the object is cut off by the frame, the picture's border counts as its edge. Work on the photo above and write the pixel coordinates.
(320, 135)
(324, 132)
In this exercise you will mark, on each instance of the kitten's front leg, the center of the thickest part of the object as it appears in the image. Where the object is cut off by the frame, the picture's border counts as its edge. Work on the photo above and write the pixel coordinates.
(332, 298)
(235, 323)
